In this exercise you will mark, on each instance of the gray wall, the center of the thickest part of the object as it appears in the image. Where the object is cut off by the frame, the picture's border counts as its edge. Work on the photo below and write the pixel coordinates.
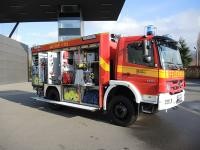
(13, 61)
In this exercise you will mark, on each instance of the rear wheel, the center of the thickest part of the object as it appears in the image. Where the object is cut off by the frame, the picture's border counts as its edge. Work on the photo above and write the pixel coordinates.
(122, 111)
(52, 94)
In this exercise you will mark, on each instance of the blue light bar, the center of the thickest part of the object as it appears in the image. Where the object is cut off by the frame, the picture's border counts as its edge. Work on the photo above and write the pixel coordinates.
(150, 29)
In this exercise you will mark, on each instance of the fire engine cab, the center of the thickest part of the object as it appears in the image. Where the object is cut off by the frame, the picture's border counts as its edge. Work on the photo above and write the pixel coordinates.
(118, 75)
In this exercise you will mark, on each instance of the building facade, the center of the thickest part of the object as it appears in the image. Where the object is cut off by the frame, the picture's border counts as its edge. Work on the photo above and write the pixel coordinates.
(13, 61)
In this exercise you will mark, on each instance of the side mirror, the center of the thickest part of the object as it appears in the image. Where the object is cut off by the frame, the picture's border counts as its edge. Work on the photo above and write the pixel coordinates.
(147, 59)
(146, 50)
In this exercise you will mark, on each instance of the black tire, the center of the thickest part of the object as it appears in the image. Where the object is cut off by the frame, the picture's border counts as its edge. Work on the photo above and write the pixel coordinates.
(52, 94)
(122, 111)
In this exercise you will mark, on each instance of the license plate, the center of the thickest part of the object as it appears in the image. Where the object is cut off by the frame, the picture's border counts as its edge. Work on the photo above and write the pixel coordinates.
(179, 98)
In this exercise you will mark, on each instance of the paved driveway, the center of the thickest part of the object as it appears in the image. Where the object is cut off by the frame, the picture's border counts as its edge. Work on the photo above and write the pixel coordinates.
(29, 125)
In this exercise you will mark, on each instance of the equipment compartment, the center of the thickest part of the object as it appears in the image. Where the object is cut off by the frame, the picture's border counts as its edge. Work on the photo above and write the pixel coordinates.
(80, 75)
(91, 96)
(72, 93)
(39, 69)
(80, 66)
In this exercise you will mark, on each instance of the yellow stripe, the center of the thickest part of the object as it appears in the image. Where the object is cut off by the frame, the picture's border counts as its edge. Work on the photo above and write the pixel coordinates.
(144, 71)
(151, 72)
(137, 71)
(104, 65)
(171, 74)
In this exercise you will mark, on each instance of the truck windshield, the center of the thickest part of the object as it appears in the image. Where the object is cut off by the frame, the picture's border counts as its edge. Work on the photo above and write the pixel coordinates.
(169, 55)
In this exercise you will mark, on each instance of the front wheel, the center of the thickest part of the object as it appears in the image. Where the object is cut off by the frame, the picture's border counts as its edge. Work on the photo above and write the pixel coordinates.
(122, 111)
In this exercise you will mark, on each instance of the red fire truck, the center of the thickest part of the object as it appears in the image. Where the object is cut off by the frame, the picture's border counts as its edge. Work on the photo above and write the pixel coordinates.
(118, 75)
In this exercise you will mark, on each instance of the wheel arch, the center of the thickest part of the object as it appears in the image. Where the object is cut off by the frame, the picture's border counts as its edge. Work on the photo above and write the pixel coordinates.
(122, 86)
(50, 87)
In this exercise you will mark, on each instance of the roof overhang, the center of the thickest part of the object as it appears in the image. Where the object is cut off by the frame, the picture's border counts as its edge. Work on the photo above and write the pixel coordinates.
(49, 10)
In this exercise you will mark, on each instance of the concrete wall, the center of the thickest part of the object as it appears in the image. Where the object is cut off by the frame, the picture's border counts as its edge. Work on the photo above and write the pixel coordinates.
(13, 61)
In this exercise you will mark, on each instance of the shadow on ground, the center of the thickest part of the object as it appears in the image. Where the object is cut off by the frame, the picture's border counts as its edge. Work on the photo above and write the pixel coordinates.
(24, 98)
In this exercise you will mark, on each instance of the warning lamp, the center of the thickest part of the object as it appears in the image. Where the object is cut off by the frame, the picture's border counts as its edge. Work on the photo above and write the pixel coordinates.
(150, 30)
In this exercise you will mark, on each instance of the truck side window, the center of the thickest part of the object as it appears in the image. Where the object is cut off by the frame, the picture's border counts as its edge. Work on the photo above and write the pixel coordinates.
(135, 54)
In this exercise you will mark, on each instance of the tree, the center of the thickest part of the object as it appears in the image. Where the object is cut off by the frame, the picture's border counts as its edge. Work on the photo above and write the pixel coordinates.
(184, 51)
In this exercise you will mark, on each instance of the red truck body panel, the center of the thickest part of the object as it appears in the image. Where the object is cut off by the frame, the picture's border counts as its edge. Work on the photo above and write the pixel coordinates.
(148, 80)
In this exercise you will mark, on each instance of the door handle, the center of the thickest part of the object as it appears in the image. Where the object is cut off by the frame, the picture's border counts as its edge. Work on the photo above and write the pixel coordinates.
(127, 74)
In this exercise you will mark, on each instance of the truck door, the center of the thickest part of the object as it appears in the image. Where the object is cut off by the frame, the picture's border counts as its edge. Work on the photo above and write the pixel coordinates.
(143, 74)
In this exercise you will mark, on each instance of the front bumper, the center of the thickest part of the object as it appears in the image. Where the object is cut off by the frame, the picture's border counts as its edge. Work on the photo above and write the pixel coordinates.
(166, 101)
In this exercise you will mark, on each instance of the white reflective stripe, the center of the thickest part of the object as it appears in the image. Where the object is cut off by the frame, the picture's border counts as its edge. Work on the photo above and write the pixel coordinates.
(114, 83)
(90, 108)
(106, 96)
(153, 99)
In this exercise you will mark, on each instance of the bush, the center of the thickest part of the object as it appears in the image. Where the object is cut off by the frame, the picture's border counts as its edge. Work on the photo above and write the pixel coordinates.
(193, 72)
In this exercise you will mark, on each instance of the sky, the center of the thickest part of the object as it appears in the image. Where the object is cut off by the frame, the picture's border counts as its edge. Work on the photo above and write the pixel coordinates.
(177, 18)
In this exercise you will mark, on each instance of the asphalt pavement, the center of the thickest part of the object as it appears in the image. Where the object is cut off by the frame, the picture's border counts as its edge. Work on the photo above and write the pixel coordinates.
(29, 125)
